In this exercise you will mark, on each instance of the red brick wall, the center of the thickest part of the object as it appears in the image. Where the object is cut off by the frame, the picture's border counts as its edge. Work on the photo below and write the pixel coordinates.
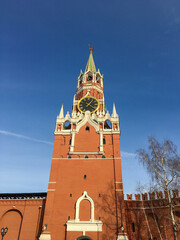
(87, 140)
(23, 217)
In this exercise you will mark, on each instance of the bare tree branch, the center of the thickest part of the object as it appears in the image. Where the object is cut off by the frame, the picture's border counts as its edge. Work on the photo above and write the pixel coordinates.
(162, 161)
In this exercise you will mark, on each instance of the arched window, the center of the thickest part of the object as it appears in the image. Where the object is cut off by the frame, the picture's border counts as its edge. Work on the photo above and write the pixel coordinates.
(84, 197)
(67, 125)
(107, 124)
(90, 77)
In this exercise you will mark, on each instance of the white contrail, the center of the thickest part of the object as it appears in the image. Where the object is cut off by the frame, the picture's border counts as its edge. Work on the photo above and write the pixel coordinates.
(127, 154)
(123, 154)
(24, 137)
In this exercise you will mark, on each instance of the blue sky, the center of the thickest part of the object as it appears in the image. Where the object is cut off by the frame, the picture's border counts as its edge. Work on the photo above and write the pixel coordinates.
(43, 46)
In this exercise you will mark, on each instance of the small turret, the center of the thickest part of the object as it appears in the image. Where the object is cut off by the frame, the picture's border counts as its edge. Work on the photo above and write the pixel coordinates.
(114, 114)
(61, 114)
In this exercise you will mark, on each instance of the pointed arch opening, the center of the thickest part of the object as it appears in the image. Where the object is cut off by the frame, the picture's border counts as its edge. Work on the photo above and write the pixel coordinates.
(89, 77)
(84, 225)
(67, 125)
(84, 197)
(107, 124)
(98, 78)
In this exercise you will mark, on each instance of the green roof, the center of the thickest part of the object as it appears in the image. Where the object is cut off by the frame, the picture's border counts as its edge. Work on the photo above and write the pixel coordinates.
(90, 64)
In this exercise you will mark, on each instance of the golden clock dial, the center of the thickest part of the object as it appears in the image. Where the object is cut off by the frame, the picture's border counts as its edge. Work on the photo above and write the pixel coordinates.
(88, 104)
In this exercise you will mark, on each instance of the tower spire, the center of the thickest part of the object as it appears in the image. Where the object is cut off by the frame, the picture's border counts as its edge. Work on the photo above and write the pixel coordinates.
(90, 64)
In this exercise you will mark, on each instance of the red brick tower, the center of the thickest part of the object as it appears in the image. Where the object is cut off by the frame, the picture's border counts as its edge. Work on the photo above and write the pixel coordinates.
(85, 191)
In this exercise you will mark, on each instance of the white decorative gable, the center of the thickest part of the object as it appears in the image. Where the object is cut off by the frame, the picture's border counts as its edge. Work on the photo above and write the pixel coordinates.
(84, 226)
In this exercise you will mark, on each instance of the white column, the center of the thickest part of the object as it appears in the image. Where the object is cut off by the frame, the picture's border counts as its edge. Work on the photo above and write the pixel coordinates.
(72, 142)
(101, 142)
(92, 212)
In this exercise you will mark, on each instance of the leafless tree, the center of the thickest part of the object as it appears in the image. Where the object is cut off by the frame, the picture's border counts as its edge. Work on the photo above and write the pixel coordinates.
(162, 161)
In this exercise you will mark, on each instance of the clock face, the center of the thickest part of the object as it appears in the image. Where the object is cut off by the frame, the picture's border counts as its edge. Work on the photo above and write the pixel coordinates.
(88, 104)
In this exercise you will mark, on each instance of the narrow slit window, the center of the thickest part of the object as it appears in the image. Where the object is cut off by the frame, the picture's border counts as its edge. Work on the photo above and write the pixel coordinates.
(104, 141)
(87, 128)
(133, 227)
(85, 177)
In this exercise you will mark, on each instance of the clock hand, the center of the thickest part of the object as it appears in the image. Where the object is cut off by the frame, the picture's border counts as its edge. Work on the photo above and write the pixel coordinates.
(92, 106)
(89, 103)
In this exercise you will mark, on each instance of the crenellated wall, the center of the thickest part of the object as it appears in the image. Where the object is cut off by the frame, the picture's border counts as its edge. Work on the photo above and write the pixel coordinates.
(148, 215)
(152, 195)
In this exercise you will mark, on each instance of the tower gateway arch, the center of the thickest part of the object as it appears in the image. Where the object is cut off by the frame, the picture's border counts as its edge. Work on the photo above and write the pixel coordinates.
(83, 238)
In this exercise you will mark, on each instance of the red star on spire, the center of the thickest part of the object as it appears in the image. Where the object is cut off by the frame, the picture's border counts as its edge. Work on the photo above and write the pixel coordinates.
(90, 48)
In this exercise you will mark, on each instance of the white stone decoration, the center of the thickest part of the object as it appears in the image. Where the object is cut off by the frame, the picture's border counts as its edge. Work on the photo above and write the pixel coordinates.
(80, 119)
(45, 236)
(84, 197)
(122, 237)
(84, 226)
(87, 118)
(90, 87)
